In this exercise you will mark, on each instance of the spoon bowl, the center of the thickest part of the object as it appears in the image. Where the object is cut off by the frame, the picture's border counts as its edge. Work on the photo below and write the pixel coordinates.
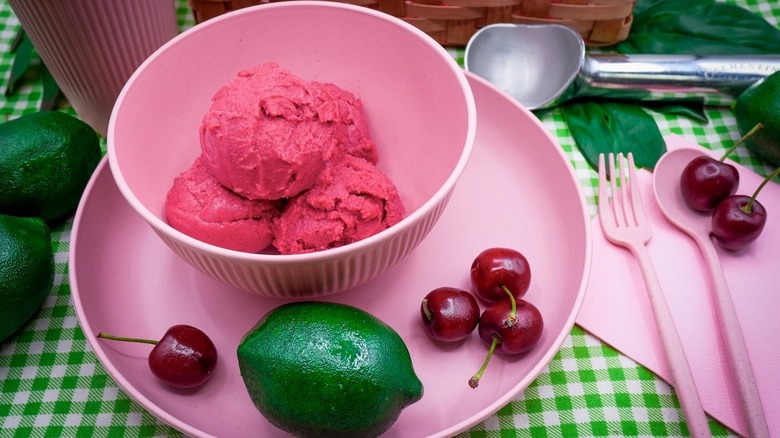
(666, 185)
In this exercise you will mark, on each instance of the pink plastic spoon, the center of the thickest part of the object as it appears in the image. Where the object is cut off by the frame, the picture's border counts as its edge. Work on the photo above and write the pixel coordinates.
(666, 185)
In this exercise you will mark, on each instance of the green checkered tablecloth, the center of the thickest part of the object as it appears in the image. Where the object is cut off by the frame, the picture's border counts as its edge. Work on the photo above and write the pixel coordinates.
(52, 384)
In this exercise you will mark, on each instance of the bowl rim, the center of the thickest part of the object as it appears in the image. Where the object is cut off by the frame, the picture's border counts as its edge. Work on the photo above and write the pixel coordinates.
(441, 195)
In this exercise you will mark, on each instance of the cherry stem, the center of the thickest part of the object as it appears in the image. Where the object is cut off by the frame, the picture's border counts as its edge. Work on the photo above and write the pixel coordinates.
(474, 380)
(749, 134)
(425, 309)
(123, 339)
(748, 208)
(513, 314)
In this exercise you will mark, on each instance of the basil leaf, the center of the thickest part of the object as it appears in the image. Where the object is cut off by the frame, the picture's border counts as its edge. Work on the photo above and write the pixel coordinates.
(18, 38)
(52, 95)
(21, 61)
(604, 127)
(703, 27)
(692, 110)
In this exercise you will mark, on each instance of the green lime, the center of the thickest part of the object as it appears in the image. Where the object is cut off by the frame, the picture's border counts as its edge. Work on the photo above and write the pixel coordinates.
(26, 270)
(46, 160)
(317, 369)
(761, 104)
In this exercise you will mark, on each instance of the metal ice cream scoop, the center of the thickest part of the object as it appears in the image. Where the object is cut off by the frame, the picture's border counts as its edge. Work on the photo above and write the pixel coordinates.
(542, 65)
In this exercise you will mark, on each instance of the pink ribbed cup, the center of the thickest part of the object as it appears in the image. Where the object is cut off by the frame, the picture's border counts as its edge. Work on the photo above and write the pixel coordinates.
(92, 47)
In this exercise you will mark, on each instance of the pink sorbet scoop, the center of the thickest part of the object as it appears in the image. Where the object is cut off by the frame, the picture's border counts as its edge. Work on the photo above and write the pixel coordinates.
(351, 200)
(268, 132)
(199, 206)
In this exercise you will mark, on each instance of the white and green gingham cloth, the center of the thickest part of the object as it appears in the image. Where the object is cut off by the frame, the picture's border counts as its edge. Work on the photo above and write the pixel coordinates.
(52, 384)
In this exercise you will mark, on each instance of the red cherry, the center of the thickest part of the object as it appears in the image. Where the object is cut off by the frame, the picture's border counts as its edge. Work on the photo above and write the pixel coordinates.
(510, 327)
(184, 357)
(495, 268)
(706, 181)
(516, 337)
(450, 314)
(735, 225)
(738, 220)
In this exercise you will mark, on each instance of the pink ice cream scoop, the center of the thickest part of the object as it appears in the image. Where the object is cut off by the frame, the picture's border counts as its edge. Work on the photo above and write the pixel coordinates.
(268, 132)
(351, 200)
(199, 206)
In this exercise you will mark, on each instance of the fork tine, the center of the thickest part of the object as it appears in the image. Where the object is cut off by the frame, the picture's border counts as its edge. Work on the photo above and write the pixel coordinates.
(607, 209)
(627, 206)
(618, 206)
(604, 210)
(636, 197)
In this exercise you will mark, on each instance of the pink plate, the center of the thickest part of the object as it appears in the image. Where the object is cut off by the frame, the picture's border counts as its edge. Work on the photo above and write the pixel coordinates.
(518, 191)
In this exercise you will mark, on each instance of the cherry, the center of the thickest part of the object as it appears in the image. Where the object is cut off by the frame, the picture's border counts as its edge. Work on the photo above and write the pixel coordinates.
(738, 220)
(734, 224)
(496, 269)
(508, 327)
(450, 314)
(706, 181)
(184, 358)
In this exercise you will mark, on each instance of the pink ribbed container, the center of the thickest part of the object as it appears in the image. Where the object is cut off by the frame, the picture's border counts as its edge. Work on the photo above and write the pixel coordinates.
(419, 107)
(92, 47)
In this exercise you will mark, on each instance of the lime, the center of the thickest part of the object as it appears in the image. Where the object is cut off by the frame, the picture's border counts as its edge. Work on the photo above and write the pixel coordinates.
(761, 104)
(318, 369)
(46, 160)
(26, 270)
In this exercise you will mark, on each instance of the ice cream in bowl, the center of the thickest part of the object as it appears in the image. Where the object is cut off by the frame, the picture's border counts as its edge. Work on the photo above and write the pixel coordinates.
(293, 149)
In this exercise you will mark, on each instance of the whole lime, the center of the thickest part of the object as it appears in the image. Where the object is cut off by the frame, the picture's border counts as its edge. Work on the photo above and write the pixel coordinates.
(761, 104)
(46, 160)
(26, 270)
(317, 369)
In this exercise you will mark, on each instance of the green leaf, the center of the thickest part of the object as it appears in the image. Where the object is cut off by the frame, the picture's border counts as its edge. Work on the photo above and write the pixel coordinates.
(692, 110)
(604, 127)
(52, 95)
(18, 38)
(21, 62)
(702, 27)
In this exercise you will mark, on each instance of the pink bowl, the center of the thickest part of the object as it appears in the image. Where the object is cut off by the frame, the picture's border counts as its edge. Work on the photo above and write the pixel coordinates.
(419, 106)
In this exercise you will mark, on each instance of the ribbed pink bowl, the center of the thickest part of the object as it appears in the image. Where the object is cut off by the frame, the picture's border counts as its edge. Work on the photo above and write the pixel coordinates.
(418, 103)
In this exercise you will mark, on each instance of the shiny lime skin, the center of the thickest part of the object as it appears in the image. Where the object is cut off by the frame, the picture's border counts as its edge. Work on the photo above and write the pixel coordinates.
(26, 270)
(761, 104)
(318, 369)
(46, 161)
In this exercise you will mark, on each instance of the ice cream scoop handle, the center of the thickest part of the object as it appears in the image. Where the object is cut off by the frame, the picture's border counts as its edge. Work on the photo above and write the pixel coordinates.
(711, 77)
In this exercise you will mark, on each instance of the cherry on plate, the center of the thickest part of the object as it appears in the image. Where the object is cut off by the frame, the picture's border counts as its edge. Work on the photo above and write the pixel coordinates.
(183, 358)
(450, 314)
(509, 327)
(496, 269)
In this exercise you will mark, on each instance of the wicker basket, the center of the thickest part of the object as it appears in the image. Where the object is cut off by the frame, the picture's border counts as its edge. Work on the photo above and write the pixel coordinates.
(600, 22)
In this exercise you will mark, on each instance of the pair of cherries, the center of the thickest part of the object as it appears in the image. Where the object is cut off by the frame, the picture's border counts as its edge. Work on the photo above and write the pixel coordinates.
(509, 325)
(708, 185)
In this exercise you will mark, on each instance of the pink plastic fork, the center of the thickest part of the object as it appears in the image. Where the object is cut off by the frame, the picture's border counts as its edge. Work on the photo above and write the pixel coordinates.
(623, 222)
